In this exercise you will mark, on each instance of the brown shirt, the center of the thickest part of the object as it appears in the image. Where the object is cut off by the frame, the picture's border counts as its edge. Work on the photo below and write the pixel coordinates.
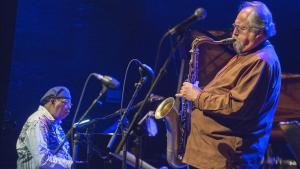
(231, 124)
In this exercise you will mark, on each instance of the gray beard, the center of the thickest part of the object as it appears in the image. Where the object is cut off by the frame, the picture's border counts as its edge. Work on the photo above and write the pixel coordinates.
(238, 46)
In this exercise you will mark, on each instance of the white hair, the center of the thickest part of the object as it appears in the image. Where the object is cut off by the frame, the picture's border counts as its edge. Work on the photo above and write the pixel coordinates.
(261, 18)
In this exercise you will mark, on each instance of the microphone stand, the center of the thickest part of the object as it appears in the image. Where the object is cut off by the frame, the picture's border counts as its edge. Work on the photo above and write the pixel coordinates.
(121, 125)
(103, 90)
(162, 70)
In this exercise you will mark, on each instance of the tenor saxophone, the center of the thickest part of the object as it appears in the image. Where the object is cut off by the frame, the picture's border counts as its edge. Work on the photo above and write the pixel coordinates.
(178, 122)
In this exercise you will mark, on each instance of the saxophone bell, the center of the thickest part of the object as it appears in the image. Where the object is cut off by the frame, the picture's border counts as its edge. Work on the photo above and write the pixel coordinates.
(165, 108)
(167, 111)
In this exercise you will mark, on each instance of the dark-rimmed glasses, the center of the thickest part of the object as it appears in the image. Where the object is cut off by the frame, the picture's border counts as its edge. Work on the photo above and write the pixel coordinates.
(240, 28)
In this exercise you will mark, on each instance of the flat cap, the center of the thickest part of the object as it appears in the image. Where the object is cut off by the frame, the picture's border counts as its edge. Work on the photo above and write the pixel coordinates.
(55, 92)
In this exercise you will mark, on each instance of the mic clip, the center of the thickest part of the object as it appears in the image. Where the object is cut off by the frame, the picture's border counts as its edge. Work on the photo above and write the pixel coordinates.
(144, 69)
(141, 81)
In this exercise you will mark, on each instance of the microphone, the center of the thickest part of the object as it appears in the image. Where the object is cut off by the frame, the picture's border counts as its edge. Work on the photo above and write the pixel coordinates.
(107, 80)
(145, 68)
(199, 14)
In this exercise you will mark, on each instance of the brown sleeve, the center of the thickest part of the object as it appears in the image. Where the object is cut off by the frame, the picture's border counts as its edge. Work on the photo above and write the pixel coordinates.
(234, 99)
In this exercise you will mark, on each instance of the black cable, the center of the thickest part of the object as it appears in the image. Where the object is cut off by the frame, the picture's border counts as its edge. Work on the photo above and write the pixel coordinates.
(125, 79)
(81, 96)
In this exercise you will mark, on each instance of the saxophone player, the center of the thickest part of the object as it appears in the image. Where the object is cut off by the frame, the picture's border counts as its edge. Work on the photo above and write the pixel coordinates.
(233, 114)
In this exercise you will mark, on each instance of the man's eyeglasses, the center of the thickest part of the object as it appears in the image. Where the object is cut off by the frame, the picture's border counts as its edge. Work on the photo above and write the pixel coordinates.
(240, 28)
(244, 28)
(66, 101)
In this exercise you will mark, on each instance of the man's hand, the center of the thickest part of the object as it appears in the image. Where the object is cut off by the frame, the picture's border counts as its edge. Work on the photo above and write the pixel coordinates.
(188, 91)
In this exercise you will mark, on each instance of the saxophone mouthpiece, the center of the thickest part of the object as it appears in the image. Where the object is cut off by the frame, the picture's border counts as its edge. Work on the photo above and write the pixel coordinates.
(227, 41)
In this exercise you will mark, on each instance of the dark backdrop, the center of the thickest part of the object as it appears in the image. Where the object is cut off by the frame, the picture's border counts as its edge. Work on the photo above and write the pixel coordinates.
(8, 10)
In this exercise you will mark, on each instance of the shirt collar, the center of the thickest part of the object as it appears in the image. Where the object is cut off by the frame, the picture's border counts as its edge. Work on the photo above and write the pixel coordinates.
(45, 112)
